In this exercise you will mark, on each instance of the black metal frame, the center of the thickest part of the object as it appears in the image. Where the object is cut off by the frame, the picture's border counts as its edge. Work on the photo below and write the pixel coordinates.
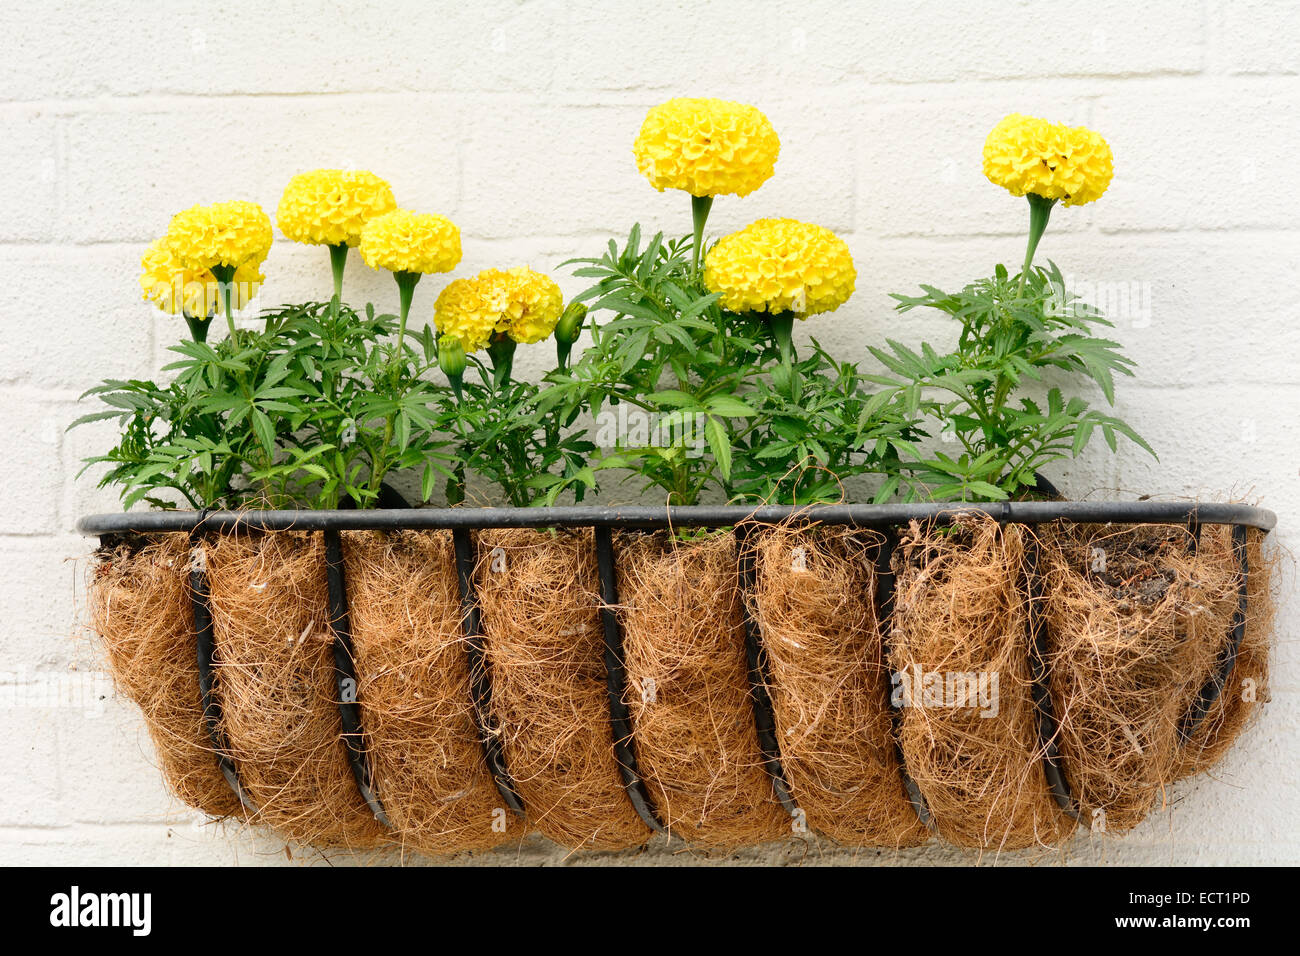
(345, 675)
(884, 608)
(620, 718)
(206, 658)
(461, 522)
(480, 684)
(679, 516)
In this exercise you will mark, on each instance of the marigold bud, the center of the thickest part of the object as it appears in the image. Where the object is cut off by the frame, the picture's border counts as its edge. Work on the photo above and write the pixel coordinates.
(451, 359)
(570, 324)
(567, 331)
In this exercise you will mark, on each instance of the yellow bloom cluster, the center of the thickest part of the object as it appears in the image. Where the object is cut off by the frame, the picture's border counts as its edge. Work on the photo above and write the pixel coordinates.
(330, 206)
(520, 303)
(405, 241)
(223, 234)
(781, 265)
(173, 287)
(707, 147)
(1025, 154)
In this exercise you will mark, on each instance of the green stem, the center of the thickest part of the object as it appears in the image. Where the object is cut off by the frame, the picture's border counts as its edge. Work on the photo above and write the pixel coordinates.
(502, 352)
(782, 326)
(338, 259)
(225, 276)
(198, 326)
(406, 291)
(1040, 210)
(700, 206)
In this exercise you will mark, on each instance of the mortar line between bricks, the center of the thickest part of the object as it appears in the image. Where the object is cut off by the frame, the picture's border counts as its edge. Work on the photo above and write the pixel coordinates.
(872, 90)
(1249, 231)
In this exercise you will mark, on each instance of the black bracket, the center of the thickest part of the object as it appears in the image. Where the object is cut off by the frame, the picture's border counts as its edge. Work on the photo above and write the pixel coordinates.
(345, 674)
(884, 605)
(1213, 688)
(620, 719)
(1040, 689)
(206, 657)
(480, 682)
(1193, 532)
(756, 661)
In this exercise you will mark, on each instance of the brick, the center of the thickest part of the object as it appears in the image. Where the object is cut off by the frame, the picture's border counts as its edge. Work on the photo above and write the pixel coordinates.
(73, 316)
(30, 471)
(920, 166)
(1258, 36)
(156, 844)
(158, 164)
(1214, 441)
(1193, 160)
(530, 170)
(824, 42)
(29, 749)
(517, 121)
(68, 50)
(29, 141)
(42, 627)
(110, 752)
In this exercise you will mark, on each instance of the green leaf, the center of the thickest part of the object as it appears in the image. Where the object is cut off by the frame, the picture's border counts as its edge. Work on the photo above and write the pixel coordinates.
(719, 445)
(729, 406)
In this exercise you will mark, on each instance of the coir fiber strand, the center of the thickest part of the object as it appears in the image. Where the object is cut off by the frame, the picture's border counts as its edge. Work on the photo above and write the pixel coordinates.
(413, 685)
(544, 641)
(961, 616)
(140, 607)
(829, 684)
(1129, 648)
(688, 691)
(276, 681)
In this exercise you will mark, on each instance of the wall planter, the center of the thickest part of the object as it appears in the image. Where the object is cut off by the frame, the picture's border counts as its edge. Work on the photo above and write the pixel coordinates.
(450, 679)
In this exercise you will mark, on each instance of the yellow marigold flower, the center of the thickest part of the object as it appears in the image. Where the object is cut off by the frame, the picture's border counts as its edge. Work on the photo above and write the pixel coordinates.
(463, 313)
(170, 285)
(223, 234)
(707, 147)
(781, 265)
(520, 303)
(1025, 154)
(405, 241)
(330, 206)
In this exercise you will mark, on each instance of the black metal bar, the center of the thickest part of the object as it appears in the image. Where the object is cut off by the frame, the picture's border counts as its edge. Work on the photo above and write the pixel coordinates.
(620, 720)
(1040, 674)
(345, 673)
(480, 682)
(756, 661)
(883, 600)
(1213, 688)
(206, 658)
(867, 516)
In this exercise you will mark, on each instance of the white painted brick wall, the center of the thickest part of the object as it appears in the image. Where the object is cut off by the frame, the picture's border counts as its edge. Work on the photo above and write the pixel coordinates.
(517, 119)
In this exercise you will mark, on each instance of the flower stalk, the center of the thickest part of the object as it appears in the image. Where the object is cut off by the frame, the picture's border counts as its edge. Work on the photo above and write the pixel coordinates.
(1040, 210)
(225, 276)
(502, 352)
(405, 292)
(198, 326)
(782, 326)
(700, 206)
(338, 259)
